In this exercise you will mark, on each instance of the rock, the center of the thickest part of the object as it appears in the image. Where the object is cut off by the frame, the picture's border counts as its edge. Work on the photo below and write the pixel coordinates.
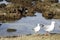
(11, 30)
(8, 0)
(28, 34)
(48, 15)
(30, 11)
(11, 36)
(0, 24)
(1, 0)
(52, 1)
(48, 8)
(2, 5)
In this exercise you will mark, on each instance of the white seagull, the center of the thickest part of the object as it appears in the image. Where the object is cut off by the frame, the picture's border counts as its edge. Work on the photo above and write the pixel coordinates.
(49, 28)
(37, 28)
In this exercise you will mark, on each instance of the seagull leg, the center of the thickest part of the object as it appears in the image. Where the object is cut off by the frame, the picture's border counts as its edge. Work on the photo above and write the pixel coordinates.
(37, 33)
(47, 33)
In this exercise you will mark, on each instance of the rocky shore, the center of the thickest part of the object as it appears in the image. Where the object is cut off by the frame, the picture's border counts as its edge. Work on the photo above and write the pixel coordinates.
(13, 11)
(20, 8)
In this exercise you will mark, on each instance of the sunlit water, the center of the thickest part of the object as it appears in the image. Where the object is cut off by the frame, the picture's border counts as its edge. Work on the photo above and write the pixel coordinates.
(26, 24)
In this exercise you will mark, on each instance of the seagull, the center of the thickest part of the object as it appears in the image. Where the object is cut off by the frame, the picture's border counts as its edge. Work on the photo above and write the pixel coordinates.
(49, 28)
(37, 28)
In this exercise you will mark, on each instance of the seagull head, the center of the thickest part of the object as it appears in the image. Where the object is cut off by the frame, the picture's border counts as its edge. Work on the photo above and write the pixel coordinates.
(38, 24)
(42, 25)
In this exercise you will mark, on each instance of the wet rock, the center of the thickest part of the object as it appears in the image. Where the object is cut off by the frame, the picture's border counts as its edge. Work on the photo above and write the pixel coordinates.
(23, 8)
(1, 0)
(28, 34)
(52, 1)
(0, 24)
(11, 36)
(49, 10)
(11, 30)
(2, 5)
(11, 13)
(30, 11)
(48, 15)
(8, 0)
(42, 6)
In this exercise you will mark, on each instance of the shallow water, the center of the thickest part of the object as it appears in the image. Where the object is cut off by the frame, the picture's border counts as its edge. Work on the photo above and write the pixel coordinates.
(26, 24)
(3, 1)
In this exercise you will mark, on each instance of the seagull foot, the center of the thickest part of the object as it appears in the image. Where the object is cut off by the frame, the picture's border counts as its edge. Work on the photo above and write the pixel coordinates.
(47, 34)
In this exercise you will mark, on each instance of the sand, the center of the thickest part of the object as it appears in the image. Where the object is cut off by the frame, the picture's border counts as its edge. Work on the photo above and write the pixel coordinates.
(34, 37)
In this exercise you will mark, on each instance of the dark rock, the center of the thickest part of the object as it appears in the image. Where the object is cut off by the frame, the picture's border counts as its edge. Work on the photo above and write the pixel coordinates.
(2, 5)
(21, 10)
(48, 15)
(52, 1)
(56, 1)
(1, 0)
(8, 0)
(28, 34)
(0, 24)
(11, 36)
(11, 30)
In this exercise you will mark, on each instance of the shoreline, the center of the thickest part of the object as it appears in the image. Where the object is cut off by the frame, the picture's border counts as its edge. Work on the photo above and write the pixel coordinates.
(33, 37)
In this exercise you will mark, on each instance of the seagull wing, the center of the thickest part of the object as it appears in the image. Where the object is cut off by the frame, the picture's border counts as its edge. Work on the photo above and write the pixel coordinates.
(37, 28)
(46, 27)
